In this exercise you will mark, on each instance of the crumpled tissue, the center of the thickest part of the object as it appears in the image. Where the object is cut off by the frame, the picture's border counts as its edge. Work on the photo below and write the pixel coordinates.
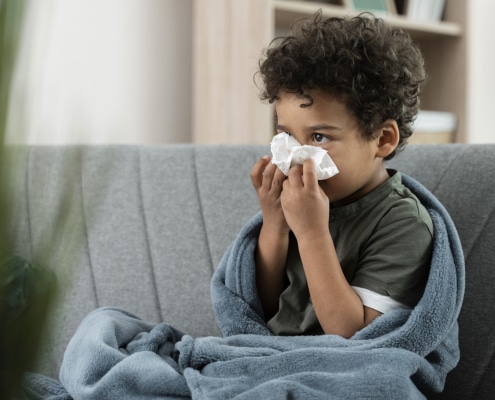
(287, 152)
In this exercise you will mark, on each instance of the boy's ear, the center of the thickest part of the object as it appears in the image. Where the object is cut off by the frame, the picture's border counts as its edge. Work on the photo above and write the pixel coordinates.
(388, 138)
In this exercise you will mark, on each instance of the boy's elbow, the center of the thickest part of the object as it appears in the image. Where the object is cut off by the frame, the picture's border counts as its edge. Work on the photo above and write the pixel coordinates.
(346, 326)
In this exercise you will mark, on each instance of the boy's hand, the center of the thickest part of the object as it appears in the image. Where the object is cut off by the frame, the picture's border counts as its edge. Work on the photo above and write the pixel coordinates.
(268, 180)
(306, 207)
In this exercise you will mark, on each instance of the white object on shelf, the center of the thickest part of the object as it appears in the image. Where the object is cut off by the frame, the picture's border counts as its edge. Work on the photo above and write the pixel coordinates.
(434, 127)
(435, 121)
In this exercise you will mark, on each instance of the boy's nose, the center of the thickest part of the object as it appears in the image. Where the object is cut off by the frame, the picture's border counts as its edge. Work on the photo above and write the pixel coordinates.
(300, 139)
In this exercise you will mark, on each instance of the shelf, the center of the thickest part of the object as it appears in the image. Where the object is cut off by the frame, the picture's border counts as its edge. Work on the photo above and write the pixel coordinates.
(287, 11)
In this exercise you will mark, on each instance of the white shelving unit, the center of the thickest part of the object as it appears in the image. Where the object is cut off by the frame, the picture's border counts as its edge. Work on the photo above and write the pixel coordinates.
(442, 43)
(230, 34)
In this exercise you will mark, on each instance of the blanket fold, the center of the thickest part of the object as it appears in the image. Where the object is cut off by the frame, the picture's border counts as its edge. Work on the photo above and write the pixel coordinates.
(402, 354)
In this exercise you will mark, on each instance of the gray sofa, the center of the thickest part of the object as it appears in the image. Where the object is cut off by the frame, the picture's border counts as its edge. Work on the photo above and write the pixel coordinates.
(143, 228)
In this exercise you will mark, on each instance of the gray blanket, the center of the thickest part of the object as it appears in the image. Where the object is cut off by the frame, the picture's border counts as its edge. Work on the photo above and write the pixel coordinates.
(401, 355)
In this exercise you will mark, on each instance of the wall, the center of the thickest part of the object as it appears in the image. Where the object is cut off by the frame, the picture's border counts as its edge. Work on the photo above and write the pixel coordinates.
(94, 71)
(481, 64)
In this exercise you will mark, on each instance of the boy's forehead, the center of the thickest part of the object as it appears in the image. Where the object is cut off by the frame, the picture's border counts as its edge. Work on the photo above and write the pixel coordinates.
(314, 100)
(325, 112)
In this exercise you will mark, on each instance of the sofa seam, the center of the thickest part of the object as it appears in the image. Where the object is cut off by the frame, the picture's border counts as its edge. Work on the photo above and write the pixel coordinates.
(86, 231)
(480, 232)
(147, 236)
(446, 170)
(201, 209)
(467, 251)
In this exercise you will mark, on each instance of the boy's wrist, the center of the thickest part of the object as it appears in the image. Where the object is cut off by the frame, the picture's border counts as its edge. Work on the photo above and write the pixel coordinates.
(313, 237)
(275, 230)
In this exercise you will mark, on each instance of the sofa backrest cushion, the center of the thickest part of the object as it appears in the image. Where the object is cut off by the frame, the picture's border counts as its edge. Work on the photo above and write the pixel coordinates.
(136, 227)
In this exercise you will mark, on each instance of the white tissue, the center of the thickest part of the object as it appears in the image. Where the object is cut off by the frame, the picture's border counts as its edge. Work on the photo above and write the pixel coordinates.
(287, 152)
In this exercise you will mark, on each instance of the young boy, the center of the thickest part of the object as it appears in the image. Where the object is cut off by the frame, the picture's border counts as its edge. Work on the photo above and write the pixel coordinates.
(333, 255)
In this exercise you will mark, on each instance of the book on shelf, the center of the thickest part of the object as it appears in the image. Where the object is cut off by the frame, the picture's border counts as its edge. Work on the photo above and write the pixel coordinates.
(377, 7)
(422, 10)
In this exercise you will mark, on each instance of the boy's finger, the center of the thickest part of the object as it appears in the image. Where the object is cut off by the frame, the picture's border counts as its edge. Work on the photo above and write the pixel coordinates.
(310, 178)
(278, 179)
(268, 175)
(257, 171)
(296, 176)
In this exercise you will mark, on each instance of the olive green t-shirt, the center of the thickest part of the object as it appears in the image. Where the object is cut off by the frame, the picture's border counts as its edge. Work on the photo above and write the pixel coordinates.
(383, 242)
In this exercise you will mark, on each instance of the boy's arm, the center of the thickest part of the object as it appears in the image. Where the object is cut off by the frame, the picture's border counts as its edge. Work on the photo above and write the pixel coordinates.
(271, 255)
(306, 208)
(273, 242)
(338, 308)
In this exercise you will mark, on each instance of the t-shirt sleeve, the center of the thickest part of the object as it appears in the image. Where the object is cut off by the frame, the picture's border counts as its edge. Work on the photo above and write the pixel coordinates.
(395, 260)
(378, 302)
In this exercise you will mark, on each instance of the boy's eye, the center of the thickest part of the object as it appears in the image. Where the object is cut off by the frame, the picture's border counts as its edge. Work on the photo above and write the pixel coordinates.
(319, 138)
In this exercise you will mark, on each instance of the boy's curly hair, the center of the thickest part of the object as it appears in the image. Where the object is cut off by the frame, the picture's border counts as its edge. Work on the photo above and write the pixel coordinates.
(375, 68)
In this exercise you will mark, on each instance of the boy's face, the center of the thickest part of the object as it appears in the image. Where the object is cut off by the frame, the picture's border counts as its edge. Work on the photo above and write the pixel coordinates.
(328, 123)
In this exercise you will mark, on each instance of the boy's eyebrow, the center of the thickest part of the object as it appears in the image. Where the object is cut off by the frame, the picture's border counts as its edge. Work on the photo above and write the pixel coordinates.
(323, 127)
(319, 127)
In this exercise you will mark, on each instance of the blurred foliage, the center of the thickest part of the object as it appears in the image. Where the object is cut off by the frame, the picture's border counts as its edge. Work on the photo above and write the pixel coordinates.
(26, 290)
